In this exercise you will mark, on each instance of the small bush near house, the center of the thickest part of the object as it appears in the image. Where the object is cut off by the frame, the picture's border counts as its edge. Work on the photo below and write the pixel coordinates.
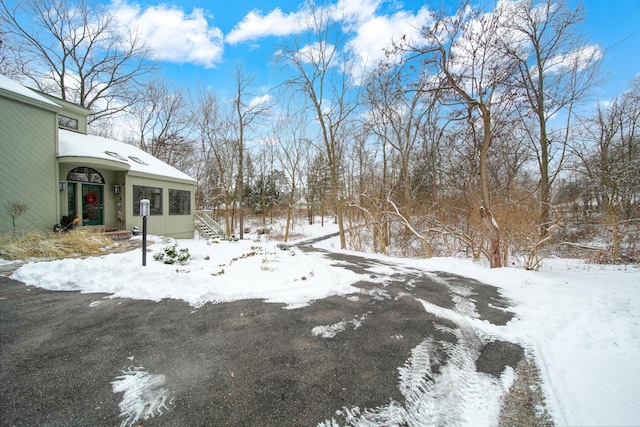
(172, 255)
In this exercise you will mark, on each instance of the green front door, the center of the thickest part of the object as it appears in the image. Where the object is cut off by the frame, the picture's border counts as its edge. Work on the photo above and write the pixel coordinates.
(92, 204)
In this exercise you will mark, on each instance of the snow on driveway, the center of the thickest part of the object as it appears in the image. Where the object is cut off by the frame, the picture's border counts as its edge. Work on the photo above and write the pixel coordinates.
(580, 321)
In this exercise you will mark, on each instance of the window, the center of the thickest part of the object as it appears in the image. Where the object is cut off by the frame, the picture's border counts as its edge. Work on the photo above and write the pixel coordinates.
(138, 160)
(154, 195)
(67, 122)
(85, 175)
(71, 199)
(116, 155)
(179, 202)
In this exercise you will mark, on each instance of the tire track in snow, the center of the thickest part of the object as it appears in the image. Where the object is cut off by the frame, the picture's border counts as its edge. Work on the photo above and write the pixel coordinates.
(440, 394)
(456, 395)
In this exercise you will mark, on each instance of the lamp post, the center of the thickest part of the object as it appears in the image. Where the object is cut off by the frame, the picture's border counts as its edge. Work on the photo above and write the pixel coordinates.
(145, 210)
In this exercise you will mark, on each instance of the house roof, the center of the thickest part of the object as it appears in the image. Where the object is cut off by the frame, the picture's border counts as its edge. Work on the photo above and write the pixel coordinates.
(131, 158)
(16, 88)
(79, 145)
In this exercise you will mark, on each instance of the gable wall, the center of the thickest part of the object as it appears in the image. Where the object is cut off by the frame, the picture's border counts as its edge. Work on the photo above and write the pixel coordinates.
(28, 165)
(71, 110)
(81, 118)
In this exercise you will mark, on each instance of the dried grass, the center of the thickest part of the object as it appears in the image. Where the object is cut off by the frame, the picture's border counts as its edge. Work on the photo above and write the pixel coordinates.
(49, 245)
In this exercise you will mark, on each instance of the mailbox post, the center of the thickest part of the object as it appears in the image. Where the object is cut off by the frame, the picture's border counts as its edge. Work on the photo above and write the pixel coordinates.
(145, 210)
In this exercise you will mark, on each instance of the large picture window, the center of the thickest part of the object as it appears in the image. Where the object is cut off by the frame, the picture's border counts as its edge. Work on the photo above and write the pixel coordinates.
(154, 194)
(179, 202)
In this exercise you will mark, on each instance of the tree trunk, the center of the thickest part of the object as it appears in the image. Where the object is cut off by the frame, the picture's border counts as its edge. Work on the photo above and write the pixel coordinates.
(240, 186)
(495, 260)
(545, 193)
(489, 222)
(289, 214)
(339, 213)
(227, 221)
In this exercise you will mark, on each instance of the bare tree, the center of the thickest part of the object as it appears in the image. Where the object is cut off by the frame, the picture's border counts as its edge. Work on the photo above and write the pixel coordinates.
(14, 210)
(321, 71)
(610, 159)
(470, 69)
(556, 71)
(161, 124)
(6, 68)
(218, 148)
(76, 50)
(293, 145)
(399, 106)
(249, 109)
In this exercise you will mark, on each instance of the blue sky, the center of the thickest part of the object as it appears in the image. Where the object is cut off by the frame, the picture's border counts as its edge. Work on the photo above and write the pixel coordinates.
(201, 41)
(615, 25)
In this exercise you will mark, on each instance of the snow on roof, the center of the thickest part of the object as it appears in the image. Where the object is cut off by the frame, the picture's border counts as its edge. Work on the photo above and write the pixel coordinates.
(73, 144)
(13, 86)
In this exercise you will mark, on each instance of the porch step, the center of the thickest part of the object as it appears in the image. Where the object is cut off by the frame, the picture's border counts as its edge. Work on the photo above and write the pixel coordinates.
(111, 233)
(118, 235)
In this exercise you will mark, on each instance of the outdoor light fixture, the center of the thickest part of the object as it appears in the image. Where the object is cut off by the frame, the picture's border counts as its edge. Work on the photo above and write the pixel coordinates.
(145, 207)
(116, 189)
(145, 211)
(61, 185)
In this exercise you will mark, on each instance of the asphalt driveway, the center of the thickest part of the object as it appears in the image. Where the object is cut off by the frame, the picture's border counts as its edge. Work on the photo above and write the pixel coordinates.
(243, 363)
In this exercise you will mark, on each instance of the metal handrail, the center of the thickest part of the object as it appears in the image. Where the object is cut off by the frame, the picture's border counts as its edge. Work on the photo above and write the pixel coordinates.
(206, 218)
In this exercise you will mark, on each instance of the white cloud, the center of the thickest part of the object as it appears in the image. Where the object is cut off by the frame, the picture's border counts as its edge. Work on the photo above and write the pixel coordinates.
(355, 10)
(255, 25)
(371, 31)
(260, 101)
(377, 33)
(576, 60)
(173, 35)
(316, 53)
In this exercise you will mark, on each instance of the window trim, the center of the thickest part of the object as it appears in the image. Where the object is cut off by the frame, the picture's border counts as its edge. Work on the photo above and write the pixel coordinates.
(155, 197)
(88, 172)
(171, 204)
(138, 160)
(67, 122)
(115, 155)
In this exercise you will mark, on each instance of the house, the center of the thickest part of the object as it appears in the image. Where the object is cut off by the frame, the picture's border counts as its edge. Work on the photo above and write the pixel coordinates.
(50, 163)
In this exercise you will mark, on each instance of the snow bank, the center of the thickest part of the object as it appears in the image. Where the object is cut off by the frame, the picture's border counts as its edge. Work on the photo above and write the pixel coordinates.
(581, 322)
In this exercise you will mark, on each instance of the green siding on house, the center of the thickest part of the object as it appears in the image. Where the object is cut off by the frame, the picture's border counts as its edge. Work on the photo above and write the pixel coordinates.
(30, 170)
(178, 226)
(165, 225)
(109, 201)
(28, 164)
(72, 111)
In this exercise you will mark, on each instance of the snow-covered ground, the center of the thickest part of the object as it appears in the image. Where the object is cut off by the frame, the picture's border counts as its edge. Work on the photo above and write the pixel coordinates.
(580, 321)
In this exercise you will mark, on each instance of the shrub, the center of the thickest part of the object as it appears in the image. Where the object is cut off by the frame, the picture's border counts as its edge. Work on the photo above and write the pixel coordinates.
(172, 255)
(283, 246)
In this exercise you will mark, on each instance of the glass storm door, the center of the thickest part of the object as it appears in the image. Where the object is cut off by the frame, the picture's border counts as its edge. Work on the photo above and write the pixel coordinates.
(91, 204)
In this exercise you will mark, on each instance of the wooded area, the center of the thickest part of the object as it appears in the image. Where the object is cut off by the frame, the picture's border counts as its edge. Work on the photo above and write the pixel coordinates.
(483, 137)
